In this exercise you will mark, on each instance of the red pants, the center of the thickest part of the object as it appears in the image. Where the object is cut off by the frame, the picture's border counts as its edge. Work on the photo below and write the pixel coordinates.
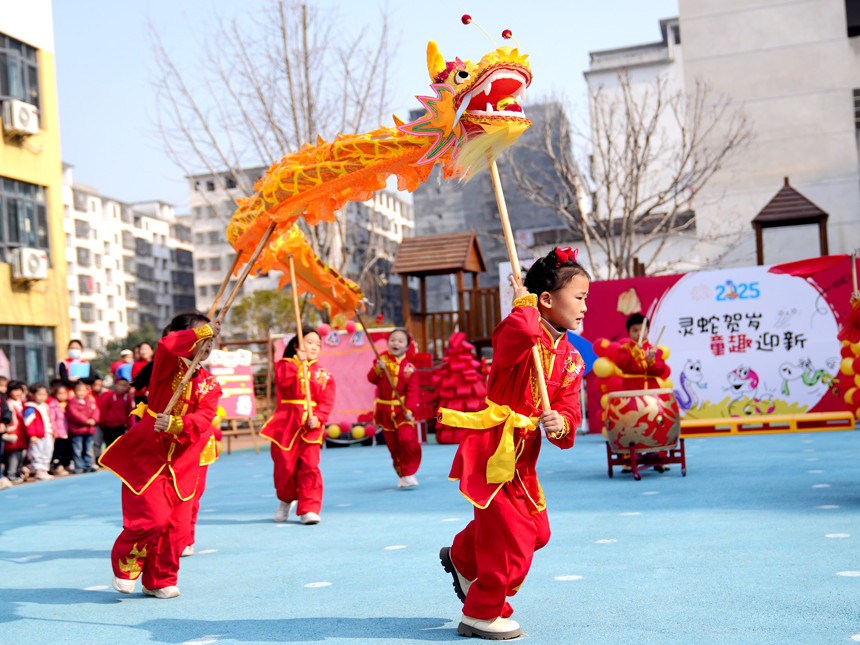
(298, 476)
(195, 504)
(496, 549)
(155, 527)
(405, 449)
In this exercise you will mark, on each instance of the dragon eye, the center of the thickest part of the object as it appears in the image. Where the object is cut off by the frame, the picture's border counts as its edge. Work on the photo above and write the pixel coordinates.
(461, 77)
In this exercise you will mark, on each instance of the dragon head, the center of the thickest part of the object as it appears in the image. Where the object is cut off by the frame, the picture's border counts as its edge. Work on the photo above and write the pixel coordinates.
(474, 102)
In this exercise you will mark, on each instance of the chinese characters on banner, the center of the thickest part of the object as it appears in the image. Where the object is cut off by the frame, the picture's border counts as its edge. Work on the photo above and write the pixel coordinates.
(234, 374)
(745, 341)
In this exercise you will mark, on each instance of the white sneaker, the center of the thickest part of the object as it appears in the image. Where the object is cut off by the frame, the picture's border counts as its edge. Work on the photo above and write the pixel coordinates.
(5, 483)
(166, 592)
(410, 481)
(310, 518)
(122, 585)
(42, 475)
(189, 550)
(283, 512)
(498, 629)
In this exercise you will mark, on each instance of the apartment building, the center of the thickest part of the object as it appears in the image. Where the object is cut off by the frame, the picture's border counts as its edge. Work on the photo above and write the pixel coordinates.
(128, 265)
(34, 316)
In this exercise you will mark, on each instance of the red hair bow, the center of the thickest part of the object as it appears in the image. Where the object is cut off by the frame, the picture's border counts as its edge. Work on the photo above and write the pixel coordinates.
(563, 255)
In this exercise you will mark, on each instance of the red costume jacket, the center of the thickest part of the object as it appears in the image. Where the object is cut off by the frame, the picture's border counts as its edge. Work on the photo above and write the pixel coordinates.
(504, 445)
(636, 369)
(78, 412)
(389, 415)
(290, 418)
(115, 408)
(142, 454)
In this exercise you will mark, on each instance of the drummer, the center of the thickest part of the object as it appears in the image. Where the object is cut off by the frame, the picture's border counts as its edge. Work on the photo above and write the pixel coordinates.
(641, 364)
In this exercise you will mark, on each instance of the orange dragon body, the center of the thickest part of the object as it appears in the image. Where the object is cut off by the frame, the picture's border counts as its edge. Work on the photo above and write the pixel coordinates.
(474, 113)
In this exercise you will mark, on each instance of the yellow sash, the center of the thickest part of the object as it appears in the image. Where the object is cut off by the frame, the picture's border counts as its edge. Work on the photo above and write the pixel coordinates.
(501, 467)
(384, 402)
(304, 404)
(141, 409)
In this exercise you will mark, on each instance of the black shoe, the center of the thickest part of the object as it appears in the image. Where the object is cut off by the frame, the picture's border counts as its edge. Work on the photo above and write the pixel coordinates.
(448, 565)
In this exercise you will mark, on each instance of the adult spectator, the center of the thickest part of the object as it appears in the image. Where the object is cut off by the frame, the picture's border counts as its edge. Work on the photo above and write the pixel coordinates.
(146, 354)
(75, 368)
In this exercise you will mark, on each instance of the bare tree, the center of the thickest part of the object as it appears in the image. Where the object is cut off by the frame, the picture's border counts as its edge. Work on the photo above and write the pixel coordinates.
(651, 153)
(267, 83)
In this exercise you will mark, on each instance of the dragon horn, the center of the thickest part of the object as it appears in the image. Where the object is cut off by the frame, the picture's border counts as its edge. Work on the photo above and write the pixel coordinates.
(435, 60)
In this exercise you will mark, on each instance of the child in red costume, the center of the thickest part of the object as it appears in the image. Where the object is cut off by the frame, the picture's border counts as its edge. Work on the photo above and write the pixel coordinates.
(641, 365)
(399, 426)
(496, 460)
(296, 434)
(158, 461)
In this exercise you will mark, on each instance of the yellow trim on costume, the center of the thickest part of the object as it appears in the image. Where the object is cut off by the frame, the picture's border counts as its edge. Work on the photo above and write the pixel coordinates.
(203, 332)
(176, 486)
(122, 479)
(528, 300)
(502, 465)
(176, 425)
(210, 452)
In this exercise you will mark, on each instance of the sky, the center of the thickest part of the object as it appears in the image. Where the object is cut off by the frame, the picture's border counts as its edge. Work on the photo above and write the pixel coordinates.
(105, 68)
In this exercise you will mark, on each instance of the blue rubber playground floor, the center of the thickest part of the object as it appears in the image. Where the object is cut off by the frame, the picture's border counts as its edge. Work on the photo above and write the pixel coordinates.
(758, 544)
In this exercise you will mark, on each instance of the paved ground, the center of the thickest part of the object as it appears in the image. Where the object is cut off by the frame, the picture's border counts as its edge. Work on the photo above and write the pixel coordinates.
(758, 544)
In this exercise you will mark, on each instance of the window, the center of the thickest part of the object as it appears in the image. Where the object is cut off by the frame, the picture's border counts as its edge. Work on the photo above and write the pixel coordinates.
(201, 265)
(202, 291)
(70, 268)
(23, 215)
(86, 285)
(111, 303)
(98, 259)
(182, 279)
(181, 233)
(119, 313)
(31, 352)
(107, 248)
(145, 272)
(90, 340)
(19, 71)
(130, 294)
(852, 13)
(142, 247)
(138, 221)
(184, 258)
(128, 240)
(131, 316)
(109, 276)
(229, 181)
(128, 264)
(74, 325)
(69, 240)
(214, 237)
(98, 287)
(73, 296)
(184, 303)
(857, 109)
(199, 238)
(210, 186)
(112, 329)
(84, 257)
(146, 297)
(88, 312)
(215, 264)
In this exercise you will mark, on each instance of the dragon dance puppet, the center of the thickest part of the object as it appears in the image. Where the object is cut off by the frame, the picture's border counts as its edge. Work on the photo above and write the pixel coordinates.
(474, 112)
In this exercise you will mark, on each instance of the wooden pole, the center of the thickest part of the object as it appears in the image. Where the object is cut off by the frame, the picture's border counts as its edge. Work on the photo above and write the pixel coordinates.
(515, 268)
(305, 368)
(224, 284)
(659, 336)
(207, 343)
(379, 358)
(854, 270)
(642, 332)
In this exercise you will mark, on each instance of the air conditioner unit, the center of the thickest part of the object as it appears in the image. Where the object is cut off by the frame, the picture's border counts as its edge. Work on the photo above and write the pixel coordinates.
(29, 264)
(20, 118)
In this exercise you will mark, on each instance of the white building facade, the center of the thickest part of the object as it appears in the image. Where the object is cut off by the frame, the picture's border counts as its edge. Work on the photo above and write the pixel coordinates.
(374, 227)
(128, 265)
(794, 71)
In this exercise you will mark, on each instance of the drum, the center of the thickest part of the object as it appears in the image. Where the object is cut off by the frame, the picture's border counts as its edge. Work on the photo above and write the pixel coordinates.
(642, 420)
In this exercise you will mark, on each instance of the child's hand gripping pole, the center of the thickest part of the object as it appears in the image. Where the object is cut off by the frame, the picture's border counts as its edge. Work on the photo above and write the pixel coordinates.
(384, 368)
(299, 334)
(515, 269)
(221, 314)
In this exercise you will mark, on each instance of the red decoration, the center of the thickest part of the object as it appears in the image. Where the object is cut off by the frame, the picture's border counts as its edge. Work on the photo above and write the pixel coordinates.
(337, 326)
(369, 430)
(380, 318)
(323, 330)
(507, 34)
(460, 384)
(466, 19)
(345, 427)
(350, 326)
(563, 255)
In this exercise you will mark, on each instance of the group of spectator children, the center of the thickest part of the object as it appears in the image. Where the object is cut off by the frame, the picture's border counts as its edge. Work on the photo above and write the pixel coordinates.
(50, 432)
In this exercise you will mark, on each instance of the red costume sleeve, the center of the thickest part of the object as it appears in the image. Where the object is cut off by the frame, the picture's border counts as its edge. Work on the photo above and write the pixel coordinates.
(286, 372)
(375, 374)
(566, 403)
(411, 398)
(325, 404)
(200, 421)
(514, 338)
